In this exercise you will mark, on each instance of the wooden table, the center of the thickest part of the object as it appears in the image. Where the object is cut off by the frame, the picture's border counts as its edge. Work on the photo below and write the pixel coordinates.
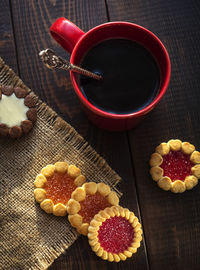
(171, 222)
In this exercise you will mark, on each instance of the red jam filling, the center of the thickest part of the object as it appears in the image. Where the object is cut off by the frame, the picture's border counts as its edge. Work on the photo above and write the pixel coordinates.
(59, 187)
(92, 205)
(176, 165)
(115, 234)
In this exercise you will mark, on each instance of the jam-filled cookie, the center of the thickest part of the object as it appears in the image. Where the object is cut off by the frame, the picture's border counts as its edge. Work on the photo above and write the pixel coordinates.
(17, 111)
(115, 234)
(86, 202)
(175, 166)
(54, 185)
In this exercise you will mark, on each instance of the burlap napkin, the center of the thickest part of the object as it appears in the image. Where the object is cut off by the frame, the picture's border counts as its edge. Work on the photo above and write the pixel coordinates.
(30, 238)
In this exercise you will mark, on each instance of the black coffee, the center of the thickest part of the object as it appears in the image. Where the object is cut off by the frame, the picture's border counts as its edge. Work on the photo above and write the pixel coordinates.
(131, 76)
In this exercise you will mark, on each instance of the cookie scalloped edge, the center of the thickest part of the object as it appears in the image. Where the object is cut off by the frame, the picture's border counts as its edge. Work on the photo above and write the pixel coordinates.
(97, 221)
(15, 132)
(164, 182)
(58, 209)
(79, 194)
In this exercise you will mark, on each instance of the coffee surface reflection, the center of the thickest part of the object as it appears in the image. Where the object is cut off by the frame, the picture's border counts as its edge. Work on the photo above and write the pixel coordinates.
(131, 76)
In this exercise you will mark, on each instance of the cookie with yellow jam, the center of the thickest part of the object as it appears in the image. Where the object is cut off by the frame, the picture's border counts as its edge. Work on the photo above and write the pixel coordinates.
(175, 166)
(54, 186)
(86, 202)
(114, 234)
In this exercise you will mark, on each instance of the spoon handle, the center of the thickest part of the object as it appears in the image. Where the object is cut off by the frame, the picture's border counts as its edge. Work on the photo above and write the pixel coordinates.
(51, 60)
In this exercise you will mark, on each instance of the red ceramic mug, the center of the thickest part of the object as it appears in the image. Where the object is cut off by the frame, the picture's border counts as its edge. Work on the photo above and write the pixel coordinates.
(77, 43)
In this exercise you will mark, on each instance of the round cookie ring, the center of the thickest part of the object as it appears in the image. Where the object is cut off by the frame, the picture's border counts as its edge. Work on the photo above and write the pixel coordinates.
(111, 216)
(79, 195)
(24, 106)
(41, 196)
(165, 182)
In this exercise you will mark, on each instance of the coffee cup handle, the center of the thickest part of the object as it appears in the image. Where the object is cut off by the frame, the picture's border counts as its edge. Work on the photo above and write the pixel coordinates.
(66, 33)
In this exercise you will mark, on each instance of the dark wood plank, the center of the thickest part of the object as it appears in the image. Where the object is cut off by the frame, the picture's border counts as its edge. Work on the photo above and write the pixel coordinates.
(32, 21)
(7, 44)
(171, 222)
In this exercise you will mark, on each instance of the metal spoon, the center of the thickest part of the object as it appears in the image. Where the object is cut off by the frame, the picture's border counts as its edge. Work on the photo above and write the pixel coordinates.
(51, 60)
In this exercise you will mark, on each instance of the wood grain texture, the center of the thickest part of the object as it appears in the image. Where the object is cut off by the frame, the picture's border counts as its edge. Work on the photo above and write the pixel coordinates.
(7, 44)
(32, 20)
(171, 221)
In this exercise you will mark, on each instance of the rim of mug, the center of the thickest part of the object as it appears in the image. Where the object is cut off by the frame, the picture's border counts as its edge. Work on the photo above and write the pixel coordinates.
(113, 115)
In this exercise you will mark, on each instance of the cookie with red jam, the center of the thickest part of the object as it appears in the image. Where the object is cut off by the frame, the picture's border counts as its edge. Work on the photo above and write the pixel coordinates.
(54, 186)
(86, 202)
(175, 166)
(115, 234)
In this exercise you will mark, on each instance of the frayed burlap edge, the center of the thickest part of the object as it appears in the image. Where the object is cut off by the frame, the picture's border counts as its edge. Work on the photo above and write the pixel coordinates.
(60, 125)
(8, 77)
